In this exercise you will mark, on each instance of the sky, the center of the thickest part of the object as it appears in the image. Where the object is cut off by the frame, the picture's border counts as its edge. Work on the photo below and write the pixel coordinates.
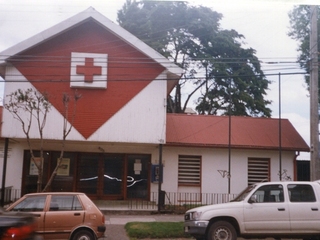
(264, 24)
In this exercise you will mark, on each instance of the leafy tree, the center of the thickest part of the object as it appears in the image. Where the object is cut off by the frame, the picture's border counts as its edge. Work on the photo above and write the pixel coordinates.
(28, 105)
(300, 31)
(221, 71)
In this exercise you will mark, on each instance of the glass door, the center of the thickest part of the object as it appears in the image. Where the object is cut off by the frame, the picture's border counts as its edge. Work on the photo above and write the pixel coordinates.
(138, 177)
(113, 176)
(88, 170)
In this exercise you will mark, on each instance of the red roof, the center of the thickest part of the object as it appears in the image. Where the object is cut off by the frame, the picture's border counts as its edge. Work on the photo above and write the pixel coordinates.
(246, 132)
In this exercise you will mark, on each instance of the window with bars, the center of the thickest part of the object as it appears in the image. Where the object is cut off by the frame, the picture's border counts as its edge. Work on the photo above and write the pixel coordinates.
(189, 170)
(258, 170)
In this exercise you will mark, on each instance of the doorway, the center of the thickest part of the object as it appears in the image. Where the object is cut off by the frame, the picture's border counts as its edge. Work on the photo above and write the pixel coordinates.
(114, 176)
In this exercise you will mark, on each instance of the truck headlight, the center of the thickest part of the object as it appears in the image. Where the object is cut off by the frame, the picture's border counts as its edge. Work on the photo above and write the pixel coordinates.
(195, 215)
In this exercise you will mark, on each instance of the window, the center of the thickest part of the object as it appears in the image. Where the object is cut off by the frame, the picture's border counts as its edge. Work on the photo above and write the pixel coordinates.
(269, 193)
(31, 204)
(258, 170)
(189, 170)
(301, 193)
(65, 203)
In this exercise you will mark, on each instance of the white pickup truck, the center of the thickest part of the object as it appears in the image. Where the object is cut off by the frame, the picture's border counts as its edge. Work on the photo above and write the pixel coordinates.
(269, 209)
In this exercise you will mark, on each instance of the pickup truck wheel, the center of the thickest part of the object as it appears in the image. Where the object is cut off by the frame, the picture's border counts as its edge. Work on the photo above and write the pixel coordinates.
(222, 230)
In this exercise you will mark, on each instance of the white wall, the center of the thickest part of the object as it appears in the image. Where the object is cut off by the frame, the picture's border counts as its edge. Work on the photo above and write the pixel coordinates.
(14, 165)
(212, 161)
(217, 159)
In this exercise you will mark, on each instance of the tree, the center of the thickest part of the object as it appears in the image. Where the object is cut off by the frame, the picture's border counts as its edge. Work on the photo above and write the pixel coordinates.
(300, 31)
(28, 105)
(65, 131)
(214, 62)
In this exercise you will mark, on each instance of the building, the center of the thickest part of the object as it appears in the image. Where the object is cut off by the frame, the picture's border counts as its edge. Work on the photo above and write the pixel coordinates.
(121, 132)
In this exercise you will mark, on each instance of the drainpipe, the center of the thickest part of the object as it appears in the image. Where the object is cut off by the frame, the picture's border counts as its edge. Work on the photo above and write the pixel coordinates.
(160, 177)
(4, 171)
(295, 173)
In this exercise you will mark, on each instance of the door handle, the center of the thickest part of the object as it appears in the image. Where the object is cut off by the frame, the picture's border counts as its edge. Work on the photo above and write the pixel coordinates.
(77, 214)
(314, 209)
(281, 209)
(37, 215)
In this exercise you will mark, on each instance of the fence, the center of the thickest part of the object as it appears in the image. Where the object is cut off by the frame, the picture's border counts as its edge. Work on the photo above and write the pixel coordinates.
(183, 201)
(10, 195)
(168, 201)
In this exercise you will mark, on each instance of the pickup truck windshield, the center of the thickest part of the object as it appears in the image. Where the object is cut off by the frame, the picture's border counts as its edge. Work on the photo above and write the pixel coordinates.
(244, 193)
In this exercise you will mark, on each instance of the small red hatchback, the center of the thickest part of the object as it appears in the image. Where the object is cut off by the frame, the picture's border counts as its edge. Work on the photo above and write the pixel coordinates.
(63, 215)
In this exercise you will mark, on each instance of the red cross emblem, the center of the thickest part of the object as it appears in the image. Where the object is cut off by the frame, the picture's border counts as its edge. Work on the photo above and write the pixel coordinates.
(88, 70)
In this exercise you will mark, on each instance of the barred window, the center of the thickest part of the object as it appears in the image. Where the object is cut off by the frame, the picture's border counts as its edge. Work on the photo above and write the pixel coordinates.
(189, 170)
(258, 170)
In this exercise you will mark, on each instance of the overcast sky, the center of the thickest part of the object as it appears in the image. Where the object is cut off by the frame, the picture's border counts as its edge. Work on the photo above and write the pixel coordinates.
(264, 23)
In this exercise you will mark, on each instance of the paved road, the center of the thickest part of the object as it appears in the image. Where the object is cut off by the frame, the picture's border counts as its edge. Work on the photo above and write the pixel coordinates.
(115, 224)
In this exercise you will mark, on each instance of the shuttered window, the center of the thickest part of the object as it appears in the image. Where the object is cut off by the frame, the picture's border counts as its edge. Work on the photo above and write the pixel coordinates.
(189, 170)
(258, 170)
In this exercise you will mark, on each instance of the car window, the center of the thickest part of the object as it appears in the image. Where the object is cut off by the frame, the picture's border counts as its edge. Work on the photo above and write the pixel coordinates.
(31, 204)
(301, 193)
(268, 193)
(65, 203)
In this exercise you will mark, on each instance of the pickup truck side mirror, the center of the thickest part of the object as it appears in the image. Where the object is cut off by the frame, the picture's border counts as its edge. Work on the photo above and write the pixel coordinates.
(253, 199)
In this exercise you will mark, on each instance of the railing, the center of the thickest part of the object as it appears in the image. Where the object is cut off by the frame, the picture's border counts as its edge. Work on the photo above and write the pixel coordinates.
(168, 201)
(10, 195)
(173, 201)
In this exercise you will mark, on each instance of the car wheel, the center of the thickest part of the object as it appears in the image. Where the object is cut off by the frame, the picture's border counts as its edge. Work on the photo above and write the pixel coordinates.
(222, 230)
(83, 235)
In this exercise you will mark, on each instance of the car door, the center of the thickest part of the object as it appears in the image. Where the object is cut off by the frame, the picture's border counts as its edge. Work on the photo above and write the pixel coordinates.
(267, 211)
(34, 205)
(63, 215)
(304, 208)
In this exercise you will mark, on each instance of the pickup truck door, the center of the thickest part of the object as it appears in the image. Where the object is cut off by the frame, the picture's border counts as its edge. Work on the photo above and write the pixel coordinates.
(266, 211)
(304, 208)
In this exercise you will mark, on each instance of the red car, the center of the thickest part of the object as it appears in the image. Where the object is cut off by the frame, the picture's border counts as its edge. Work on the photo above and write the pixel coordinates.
(19, 226)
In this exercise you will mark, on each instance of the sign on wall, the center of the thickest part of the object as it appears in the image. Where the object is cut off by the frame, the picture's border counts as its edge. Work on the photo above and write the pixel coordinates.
(88, 70)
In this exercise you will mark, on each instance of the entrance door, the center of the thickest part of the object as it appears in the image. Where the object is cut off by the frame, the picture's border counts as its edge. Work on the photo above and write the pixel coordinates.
(137, 176)
(113, 176)
(88, 172)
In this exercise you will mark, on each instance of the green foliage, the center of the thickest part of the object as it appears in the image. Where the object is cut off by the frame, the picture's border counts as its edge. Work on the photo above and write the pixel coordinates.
(222, 72)
(300, 31)
(140, 230)
(28, 100)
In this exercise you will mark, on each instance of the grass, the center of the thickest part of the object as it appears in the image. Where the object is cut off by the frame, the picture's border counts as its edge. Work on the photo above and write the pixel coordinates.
(140, 230)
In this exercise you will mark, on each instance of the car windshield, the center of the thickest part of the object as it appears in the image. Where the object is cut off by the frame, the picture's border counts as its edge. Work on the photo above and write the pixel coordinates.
(243, 194)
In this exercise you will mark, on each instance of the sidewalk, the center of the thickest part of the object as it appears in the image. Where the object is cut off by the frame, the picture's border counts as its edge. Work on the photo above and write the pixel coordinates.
(122, 219)
(115, 223)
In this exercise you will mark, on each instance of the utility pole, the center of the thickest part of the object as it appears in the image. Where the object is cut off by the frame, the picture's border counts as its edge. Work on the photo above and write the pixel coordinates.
(314, 99)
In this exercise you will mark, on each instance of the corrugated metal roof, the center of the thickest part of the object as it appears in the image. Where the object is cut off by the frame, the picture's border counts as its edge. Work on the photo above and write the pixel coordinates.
(246, 132)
